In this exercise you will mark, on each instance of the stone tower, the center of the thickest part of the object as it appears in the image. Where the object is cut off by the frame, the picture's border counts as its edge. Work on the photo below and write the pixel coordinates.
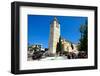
(54, 36)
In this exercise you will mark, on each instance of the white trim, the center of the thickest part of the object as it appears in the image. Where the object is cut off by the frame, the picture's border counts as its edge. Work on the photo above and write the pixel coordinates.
(24, 64)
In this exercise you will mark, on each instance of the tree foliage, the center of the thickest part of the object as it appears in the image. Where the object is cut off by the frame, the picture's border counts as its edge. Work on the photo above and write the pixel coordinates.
(83, 45)
(59, 46)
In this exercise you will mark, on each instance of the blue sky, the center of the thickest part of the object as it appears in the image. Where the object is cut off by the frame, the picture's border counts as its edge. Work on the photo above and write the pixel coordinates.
(39, 28)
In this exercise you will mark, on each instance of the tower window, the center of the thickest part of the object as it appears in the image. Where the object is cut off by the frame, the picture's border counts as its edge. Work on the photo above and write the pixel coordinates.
(57, 25)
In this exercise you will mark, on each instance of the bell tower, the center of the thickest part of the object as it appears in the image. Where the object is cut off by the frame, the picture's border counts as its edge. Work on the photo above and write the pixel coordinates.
(54, 36)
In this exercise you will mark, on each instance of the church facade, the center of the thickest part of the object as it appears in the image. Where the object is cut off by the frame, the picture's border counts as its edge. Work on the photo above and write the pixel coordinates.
(54, 39)
(68, 46)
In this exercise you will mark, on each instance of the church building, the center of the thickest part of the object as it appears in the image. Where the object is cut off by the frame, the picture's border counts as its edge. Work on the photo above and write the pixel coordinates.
(54, 35)
(54, 39)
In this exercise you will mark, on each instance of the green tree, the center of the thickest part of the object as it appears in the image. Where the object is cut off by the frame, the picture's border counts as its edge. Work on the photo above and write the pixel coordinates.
(83, 45)
(59, 46)
(72, 46)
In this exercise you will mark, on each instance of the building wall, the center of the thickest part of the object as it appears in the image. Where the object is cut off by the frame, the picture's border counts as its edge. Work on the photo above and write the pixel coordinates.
(54, 36)
(68, 48)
